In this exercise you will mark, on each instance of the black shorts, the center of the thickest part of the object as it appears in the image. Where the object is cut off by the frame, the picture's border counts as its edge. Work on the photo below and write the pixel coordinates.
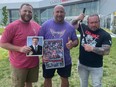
(63, 72)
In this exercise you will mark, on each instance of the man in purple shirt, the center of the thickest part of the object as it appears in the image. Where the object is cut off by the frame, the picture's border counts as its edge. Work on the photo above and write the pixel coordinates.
(57, 28)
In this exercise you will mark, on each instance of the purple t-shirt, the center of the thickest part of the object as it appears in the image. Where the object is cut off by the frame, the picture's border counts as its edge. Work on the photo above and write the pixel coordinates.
(52, 30)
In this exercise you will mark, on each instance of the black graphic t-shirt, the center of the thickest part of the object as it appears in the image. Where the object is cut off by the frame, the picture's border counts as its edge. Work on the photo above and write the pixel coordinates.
(95, 39)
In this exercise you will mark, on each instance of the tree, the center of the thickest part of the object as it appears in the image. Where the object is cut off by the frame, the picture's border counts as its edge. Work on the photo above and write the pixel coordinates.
(36, 18)
(5, 16)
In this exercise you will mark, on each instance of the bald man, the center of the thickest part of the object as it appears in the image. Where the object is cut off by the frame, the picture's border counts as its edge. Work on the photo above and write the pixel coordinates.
(57, 28)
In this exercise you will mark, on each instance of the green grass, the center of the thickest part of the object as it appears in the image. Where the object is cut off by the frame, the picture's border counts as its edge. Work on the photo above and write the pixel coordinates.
(1, 30)
(109, 74)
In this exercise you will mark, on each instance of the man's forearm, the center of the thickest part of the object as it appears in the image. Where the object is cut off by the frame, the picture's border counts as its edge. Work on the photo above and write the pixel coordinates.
(9, 46)
(104, 50)
(74, 22)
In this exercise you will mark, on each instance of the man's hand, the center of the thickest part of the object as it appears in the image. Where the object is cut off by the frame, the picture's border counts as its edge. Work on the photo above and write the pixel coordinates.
(45, 59)
(25, 49)
(69, 45)
(88, 48)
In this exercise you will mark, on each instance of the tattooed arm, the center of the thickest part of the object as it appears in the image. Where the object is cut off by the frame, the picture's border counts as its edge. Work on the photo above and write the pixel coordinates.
(75, 22)
(104, 50)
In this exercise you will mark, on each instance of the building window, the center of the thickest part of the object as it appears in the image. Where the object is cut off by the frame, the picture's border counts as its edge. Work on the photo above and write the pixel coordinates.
(46, 14)
(14, 15)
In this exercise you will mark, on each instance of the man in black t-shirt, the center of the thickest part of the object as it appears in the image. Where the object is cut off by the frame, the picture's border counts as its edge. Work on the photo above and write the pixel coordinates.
(94, 44)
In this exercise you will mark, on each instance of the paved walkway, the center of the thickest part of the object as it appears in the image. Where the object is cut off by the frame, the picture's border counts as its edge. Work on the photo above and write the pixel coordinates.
(112, 35)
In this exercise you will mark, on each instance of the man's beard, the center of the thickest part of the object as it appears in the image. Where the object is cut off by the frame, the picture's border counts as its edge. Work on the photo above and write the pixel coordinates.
(94, 28)
(25, 20)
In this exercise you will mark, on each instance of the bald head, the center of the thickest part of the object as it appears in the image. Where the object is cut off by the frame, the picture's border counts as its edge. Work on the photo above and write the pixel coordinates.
(59, 6)
(59, 13)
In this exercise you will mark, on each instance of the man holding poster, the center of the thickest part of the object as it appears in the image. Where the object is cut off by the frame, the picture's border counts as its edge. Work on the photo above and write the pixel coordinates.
(55, 29)
(24, 69)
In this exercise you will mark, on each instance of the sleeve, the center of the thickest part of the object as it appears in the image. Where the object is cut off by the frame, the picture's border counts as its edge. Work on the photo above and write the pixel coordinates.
(8, 34)
(82, 26)
(107, 39)
(73, 35)
(42, 31)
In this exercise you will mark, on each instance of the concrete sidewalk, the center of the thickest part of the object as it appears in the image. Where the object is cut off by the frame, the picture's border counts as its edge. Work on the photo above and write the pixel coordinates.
(112, 35)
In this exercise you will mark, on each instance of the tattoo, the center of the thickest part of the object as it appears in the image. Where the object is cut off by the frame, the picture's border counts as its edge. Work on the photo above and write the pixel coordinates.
(104, 50)
(74, 22)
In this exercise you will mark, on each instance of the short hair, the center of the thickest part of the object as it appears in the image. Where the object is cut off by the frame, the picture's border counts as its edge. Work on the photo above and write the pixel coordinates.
(92, 16)
(27, 4)
(35, 38)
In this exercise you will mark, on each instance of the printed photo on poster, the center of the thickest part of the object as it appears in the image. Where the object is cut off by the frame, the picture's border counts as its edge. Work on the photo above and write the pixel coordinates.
(53, 52)
(36, 45)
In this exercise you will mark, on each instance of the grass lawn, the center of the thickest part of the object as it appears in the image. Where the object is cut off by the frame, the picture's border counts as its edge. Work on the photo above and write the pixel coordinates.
(109, 74)
(1, 30)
